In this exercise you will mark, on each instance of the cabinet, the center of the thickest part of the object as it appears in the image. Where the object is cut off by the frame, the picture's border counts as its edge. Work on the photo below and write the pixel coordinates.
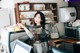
(66, 44)
(72, 32)
(68, 47)
(25, 12)
(69, 44)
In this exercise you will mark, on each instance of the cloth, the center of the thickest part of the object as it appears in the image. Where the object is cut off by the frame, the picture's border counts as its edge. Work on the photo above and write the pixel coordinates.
(42, 33)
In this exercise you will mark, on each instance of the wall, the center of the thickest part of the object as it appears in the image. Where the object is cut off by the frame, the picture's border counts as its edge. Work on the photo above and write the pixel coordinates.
(10, 5)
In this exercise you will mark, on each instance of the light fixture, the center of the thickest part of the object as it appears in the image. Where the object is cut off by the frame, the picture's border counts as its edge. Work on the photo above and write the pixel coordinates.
(66, 0)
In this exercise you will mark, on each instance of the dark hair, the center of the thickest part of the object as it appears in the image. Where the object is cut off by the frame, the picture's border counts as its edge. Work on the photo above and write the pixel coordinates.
(42, 18)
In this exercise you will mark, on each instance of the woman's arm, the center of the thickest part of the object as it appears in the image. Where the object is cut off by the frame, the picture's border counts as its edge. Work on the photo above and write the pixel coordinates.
(26, 30)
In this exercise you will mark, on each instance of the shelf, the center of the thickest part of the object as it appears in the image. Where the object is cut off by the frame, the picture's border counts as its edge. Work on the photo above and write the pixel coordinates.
(22, 8)
(55, 16)
(34, 10)
(35, 3)
(25, 18)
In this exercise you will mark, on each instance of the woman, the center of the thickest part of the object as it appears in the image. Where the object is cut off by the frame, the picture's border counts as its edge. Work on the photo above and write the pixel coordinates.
(39, 19)
(39, 24)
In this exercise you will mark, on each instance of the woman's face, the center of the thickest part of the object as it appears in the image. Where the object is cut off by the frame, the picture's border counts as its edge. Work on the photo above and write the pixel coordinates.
(37, 19)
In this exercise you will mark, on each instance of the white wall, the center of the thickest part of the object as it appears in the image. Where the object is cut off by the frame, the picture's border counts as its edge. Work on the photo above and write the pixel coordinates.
(4, 20)
(10, 5)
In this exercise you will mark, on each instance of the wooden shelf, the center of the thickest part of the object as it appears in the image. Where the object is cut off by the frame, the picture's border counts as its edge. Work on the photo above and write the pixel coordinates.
(25, 18)
(35, 3)
(48, 7)
(55, 16)
(35, 10)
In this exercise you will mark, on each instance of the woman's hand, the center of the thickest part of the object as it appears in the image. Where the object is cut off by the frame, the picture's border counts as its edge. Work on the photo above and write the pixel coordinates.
(27, 31)
(20, 25)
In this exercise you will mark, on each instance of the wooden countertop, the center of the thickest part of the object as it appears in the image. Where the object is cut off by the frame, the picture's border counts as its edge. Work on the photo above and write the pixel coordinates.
(57, 40)
(70, 40)
(67, 40)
